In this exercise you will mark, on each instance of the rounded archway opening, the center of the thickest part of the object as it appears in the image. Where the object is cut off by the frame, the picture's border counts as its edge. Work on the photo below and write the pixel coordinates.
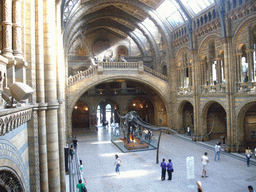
(185, 117)
(107, 113)
(80, 115)
(120, 95)
(250, 127)
(144, 108)
(216, 122)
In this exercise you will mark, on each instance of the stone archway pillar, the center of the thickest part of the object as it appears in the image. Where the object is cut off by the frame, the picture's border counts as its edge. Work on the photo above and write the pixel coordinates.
(7, 29)
(230, 100)
(50, 80)
(17, 29)
(196, 65)
(61, 79)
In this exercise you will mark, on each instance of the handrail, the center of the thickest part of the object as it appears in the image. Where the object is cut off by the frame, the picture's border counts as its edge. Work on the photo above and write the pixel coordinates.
(101, 66)
(156, 74)
(82, 75)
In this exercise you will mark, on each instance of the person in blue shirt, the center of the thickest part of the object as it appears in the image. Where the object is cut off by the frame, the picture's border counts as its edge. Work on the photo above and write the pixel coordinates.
(170, 169)
(163, 165)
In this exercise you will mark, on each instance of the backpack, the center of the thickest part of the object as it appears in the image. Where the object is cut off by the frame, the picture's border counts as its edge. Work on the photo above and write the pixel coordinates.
(83, 189)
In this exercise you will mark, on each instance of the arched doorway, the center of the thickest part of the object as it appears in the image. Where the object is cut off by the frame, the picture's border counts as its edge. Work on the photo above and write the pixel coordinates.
(185, 117)
(216, 122)
(10, 181)
(250, 127)
(80, 115)
(144, 108)
(107, 113)
(188, 117)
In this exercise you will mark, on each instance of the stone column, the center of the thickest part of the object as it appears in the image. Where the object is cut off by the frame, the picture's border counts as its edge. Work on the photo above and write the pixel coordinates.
(51, 96)
(7, 29)
(240, 67)
(42, 106)
(230, 99)
(11, 72)
(61, 74)
(250, 65)
(17, 29)
(197, 79)
(219, 76)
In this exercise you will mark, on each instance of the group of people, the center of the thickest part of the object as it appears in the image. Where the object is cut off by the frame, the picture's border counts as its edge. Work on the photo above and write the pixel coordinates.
(167, 167)
(73, 147)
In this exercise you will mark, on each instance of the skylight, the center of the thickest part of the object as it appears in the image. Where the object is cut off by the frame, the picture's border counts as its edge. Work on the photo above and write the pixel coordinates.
(195, 6)
(171, 11)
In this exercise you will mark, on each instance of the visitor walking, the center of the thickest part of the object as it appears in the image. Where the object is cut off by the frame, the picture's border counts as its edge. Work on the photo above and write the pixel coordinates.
(170, 169)
(217, 151)
(117, 164)
(81, 166)
(188, 131)
(81, 185)
(248, 153)
(75, 142)
(163, 165)
(204, 160)
(71, 152)
(199, 186)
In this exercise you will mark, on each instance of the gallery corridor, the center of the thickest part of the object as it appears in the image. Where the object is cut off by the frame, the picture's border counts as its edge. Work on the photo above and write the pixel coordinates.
(139, 171)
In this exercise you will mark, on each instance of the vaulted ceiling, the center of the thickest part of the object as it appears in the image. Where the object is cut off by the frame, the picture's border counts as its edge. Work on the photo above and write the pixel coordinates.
(121, 18)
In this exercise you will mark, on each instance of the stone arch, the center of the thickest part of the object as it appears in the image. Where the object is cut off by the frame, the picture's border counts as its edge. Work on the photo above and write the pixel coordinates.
(213, 115)
(205, 40)
(112, 101)
(10, 180)
(164, 69)
(185, 109)
(244, 125)
(77, 90)
(11, 161)
(249, 21)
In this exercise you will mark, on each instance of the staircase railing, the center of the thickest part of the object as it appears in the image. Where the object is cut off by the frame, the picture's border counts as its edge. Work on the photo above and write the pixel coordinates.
(101, 66)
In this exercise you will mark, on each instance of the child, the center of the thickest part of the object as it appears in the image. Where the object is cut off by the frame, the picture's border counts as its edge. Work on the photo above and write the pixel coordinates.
(81, 166)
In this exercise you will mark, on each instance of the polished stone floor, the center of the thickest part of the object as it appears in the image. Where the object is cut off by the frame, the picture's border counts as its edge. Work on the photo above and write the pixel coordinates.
(141, 173)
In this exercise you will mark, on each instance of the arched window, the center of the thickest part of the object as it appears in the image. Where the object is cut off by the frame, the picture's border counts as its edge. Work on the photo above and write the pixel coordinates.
(210, 16)
(229, 5)
(205, 18)
(234, 3)
(165, 70)
(245, 69)
(202, 21)
(213, 14)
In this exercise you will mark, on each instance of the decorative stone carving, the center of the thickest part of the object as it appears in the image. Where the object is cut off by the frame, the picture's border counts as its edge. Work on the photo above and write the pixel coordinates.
(14, 120)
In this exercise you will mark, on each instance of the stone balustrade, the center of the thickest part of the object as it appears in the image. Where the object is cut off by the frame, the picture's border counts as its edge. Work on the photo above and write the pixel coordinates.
(115, 66)
(14, 119)
(156, 74)
(220, 88)
(247, 87)
(82, 75)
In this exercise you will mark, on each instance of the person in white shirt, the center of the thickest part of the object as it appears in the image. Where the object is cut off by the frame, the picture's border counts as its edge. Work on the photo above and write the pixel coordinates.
(188, 131)
(204, 160)
(217, 151)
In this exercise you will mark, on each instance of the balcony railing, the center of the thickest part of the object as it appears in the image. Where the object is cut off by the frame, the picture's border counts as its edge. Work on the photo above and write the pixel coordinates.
(102, 67)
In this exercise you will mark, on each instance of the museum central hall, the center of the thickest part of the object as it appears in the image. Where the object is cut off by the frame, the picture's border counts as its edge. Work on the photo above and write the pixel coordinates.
(126, 77)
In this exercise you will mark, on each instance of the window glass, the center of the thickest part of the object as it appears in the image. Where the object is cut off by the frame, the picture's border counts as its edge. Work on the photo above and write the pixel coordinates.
(172, 12)
(195, 6)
